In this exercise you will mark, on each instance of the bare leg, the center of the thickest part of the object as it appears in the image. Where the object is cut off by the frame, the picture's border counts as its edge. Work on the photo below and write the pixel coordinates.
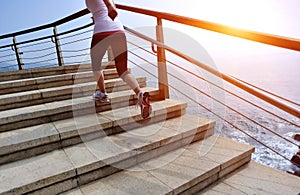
(99, 77)
(119, 49)
(99, 45)
(132, 82)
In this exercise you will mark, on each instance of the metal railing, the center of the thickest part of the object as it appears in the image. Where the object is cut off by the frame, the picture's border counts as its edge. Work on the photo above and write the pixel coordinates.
(162, 74)
(215, 99)
(43, 49)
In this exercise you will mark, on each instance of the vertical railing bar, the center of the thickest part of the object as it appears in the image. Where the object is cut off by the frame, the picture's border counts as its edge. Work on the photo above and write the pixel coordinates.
(18, 54)
(58, 48)
(161, 60)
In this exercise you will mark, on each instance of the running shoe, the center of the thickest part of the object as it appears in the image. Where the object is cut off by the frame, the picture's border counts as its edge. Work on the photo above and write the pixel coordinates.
(144, 103)
(101, 97)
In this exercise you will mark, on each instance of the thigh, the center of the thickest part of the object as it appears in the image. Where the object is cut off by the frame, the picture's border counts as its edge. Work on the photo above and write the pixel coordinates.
(119, 49)
(99, 46)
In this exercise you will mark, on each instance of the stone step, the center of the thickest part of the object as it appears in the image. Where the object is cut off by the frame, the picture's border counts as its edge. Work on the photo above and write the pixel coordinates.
(39, 72)
(66, 168)
(47, 71)
(183, 171)
(34, 97)
(26, 142)
(58, 110)
(21, 85)
(255, 178)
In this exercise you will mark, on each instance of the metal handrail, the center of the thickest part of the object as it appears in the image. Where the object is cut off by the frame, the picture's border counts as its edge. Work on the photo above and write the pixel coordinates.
(275, 40)
(56, 23)
(175, 88)
(227, 78)
(283, 42)
(280, 41)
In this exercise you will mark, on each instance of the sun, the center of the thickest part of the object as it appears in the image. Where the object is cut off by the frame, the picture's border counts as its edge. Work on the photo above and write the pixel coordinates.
(254, 15)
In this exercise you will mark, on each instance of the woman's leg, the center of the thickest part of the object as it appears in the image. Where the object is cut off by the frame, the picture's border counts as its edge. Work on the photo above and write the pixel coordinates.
(132, 82)
(99, 77)
(98, 49)
(119, 48)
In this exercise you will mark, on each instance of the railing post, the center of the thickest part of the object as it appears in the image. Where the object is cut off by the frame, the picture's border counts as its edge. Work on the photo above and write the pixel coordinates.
(58, 49)
(161, 59)
(18, 54)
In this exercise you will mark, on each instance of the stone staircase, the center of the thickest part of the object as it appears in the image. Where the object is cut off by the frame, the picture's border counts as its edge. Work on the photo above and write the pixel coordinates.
(55, 139)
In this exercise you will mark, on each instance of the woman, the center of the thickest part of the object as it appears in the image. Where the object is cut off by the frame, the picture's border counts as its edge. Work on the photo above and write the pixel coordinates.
(109, 31)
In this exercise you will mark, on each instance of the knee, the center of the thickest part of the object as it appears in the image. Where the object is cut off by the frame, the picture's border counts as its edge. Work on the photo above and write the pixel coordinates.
(123, 74)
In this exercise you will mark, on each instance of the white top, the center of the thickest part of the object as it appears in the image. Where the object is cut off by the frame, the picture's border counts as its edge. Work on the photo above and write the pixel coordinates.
(103, 23)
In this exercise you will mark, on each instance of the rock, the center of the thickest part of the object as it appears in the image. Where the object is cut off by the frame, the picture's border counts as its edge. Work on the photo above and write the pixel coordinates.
(297, 173)
(296, 159)
(297, 137)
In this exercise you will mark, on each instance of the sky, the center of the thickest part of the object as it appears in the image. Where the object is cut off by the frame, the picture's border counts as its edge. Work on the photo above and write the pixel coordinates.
(16, 15)
(272, 16)
(279, 17)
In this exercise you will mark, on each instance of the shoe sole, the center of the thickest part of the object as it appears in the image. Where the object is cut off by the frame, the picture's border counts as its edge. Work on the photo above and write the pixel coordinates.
(146, 108)
(105, 100)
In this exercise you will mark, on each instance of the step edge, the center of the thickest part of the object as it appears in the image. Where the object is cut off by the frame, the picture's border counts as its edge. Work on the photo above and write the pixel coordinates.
(63, 135)
(43, 180)
(53, 108)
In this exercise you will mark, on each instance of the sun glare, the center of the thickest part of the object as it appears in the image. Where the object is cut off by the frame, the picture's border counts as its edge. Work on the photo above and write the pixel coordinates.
(265, 16)
(254, 15)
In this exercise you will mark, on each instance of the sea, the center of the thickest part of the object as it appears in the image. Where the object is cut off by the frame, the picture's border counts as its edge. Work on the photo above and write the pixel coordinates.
(270, 68)
(273, 69)
(276, 71)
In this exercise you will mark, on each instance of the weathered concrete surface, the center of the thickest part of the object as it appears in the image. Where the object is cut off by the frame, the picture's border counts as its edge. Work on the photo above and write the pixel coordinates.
(255, 178)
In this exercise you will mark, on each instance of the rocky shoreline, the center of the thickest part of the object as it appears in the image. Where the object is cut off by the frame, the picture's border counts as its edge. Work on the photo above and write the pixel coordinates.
(296, 158)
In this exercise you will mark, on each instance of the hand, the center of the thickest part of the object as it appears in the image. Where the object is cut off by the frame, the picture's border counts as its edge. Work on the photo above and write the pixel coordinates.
(112, 12)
